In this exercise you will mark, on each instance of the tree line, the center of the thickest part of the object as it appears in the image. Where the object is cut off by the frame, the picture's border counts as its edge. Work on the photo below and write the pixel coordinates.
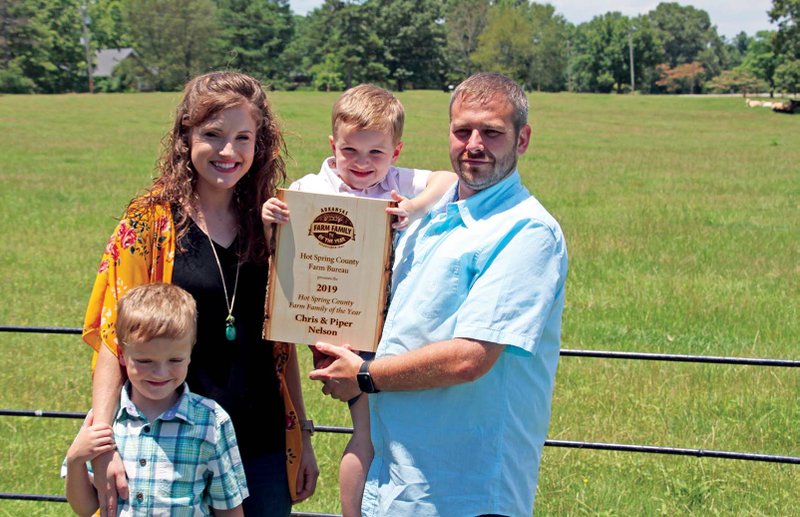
(45, 45)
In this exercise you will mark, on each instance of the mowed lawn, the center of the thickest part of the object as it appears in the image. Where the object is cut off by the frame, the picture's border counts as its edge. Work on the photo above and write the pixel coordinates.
(682, 218)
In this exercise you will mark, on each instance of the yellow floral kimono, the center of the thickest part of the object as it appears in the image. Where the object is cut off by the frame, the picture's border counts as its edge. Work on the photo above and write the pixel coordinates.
(142, 250)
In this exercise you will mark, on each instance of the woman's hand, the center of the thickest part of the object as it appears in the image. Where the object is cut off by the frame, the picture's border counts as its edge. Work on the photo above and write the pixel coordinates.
(110, 480)
(309, 471)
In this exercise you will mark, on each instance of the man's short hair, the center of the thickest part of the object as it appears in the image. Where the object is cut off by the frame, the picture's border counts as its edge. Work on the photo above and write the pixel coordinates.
(369, 107)
(153, 311)
(485, 86)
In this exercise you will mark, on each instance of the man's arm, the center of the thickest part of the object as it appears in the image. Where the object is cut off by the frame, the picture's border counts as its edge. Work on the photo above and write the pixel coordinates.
(437, 365)
(109, 472)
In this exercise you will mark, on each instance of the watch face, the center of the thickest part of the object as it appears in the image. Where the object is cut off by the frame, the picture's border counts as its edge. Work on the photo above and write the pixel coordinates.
(365, 382)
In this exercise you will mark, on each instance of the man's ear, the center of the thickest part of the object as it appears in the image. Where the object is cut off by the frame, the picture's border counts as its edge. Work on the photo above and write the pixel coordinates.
(524, 139)
(396, 153)
(333, 145)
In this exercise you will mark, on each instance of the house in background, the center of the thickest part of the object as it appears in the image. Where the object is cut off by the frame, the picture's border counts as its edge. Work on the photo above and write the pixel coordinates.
(107, 59)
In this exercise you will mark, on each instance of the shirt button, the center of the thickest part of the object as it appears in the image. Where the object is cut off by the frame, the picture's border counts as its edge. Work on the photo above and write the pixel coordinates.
(142, 462)
(146, 429)
(140, 497)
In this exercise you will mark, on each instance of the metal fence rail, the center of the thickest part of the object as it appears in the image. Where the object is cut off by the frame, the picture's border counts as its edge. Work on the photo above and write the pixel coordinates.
(572, 444)
(566, 352)
(604, 354)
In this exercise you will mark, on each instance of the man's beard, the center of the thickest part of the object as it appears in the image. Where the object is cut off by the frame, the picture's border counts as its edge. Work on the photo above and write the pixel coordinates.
(483, 180)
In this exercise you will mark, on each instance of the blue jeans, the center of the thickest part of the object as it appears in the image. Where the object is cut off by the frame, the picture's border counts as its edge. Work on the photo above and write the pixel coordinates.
(268, 486)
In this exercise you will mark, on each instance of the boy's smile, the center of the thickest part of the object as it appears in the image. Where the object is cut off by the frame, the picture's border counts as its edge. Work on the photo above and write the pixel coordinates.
(156, 369)
(363, 156)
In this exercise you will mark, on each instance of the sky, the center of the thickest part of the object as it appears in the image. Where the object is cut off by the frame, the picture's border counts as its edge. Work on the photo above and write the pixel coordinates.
(730, 16)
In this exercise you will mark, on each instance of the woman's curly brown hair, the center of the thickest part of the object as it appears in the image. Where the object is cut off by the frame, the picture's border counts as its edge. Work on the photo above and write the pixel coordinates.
(204, 97)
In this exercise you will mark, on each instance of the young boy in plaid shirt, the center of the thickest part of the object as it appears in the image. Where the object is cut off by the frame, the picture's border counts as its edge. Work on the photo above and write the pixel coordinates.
(179, 449)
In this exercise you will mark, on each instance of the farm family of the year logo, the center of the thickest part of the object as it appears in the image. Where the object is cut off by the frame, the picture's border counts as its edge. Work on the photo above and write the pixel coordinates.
(332, 228)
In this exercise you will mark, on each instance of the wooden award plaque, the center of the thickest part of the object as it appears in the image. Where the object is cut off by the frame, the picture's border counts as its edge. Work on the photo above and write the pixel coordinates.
(329, 278)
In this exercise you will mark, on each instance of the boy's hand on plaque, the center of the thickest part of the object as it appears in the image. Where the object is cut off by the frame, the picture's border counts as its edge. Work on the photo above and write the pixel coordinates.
(339, 377)
(404, 212)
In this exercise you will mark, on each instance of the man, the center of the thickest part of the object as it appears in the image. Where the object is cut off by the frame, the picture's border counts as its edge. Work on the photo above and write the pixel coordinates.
(464, 372)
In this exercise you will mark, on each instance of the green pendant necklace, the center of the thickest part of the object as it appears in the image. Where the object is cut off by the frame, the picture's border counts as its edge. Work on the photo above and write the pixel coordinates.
(230, 321)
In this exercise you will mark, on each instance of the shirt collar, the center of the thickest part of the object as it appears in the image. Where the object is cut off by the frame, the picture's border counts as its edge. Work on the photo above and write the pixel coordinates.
(506, 192)
(180, 410)
(386, 185)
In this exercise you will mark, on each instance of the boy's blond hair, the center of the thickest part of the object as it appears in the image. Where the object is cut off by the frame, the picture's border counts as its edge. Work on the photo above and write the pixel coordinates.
(369, 107)
(153, 311)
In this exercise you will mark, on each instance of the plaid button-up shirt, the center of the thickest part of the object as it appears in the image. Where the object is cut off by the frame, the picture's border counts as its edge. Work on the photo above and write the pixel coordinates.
(183, 462)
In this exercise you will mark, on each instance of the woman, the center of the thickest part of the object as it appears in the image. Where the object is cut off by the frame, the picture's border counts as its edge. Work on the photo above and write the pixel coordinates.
(199, 226)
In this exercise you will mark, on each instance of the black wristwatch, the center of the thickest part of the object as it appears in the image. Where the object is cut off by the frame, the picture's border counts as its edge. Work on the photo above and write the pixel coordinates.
(364, 379)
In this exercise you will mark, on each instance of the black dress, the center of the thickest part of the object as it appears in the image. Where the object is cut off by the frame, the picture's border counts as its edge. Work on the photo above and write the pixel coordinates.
(240, 374)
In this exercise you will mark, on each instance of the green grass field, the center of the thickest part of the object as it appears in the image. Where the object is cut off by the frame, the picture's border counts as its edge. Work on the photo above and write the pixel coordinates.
(682, 218)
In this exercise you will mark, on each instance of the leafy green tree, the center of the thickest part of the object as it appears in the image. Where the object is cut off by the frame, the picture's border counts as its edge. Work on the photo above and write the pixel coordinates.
(41, 48)
(647, 52)
(172, 39)
(413, 39)
(786, 13)
(761, 59)
(253, 35)
(787, 76)
(601, 55)
(741, 41)
(714, 58)
(688, 36)
(347, 32)
(685, 32)
(551, 31)
(464, 22)
(326, 75)
(359, 47)
(298, 56)
(107, 24)
(19, 53)
(602, 52)
(736, 49)
(736, 81)
(527, 42)
(505, 44)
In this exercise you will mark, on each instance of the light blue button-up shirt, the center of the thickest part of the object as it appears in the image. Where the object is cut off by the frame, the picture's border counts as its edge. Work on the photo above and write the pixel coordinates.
(490, 267)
